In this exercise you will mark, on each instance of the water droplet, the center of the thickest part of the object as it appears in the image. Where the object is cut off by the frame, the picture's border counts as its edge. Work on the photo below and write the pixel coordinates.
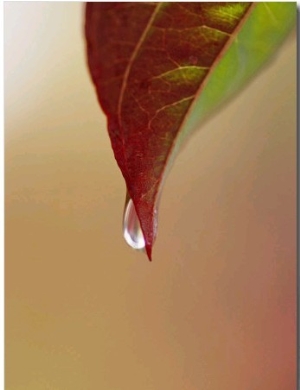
(131, 226)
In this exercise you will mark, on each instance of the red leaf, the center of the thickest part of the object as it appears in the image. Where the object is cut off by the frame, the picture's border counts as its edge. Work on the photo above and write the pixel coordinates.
(134, 51)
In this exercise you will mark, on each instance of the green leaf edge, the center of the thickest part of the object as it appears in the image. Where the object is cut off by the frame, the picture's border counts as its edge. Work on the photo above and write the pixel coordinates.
(263, 32)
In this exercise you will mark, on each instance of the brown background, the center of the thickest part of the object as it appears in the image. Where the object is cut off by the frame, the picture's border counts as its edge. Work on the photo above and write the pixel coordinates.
(216, 308)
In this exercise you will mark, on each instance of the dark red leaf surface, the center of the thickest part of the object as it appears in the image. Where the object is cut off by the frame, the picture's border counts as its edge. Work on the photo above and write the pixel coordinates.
(148, 61)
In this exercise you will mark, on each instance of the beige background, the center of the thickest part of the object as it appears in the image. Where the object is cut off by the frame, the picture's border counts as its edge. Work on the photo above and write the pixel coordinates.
(216, 308)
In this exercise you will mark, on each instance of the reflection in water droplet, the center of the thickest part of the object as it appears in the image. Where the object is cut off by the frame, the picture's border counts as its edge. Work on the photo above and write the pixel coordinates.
(131, 227)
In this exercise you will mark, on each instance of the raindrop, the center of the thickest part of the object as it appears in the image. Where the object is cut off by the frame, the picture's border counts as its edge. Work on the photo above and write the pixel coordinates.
(131, 227)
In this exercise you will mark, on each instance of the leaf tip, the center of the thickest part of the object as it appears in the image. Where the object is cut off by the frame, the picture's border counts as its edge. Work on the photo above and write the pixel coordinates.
(149, 252)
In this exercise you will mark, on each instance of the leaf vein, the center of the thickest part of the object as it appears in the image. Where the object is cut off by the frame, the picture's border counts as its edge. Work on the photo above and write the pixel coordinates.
(178, 70)
(170, 105)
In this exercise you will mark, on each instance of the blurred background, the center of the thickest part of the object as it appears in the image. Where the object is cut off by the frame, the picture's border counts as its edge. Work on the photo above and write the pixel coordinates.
(216, 309)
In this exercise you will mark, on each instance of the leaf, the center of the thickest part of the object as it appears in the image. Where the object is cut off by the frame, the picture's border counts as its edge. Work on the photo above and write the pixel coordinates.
(161, 68)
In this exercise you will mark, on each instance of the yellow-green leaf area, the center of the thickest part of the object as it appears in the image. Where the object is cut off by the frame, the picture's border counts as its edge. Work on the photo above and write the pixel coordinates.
(227, 14)
(184, 75)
